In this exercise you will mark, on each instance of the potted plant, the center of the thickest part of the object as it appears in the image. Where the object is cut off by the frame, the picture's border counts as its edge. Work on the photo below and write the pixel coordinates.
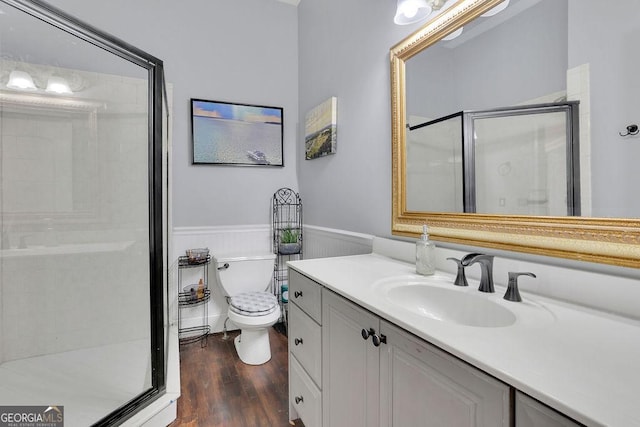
(289, 243)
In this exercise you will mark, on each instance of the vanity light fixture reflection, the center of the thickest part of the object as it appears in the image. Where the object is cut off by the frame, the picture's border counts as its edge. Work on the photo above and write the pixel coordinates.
(453, 35)
(499, 8)
(20, 80)
(58, 85)
(412, 11)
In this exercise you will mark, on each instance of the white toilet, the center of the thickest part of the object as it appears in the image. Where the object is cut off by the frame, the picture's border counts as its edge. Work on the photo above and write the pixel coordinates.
(245, 280)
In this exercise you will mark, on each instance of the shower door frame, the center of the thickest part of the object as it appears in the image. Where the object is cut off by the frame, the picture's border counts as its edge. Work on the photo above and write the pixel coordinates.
(571, 111)
(59, 19)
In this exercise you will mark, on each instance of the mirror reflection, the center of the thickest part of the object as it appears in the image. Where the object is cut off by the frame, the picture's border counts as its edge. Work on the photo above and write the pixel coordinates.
(517, 160)
(49, 152)
(533, 52)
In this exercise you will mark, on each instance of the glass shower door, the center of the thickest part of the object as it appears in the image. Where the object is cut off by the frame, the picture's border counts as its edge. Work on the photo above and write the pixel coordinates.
(80, 213)
(435, 165)
(524, 160)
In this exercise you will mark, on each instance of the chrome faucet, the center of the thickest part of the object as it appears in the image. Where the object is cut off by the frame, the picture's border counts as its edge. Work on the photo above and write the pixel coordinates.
(486, 268)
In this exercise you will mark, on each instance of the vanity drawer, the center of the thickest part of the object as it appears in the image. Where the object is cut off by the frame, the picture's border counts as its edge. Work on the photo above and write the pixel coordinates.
(305, 397)
(306, 294)
(305, 339)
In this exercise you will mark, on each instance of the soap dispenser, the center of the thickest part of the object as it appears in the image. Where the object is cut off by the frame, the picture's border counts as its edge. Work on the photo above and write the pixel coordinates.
(425, 254)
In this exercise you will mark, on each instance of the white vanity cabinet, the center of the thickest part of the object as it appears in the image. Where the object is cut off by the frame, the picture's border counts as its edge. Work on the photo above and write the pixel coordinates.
(422, 385)
(350, 364)
(375, 374)
(349, 367)
(531, 413)
(305, 355)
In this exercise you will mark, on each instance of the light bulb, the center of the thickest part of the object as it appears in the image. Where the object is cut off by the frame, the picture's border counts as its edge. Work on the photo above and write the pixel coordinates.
(58, 85)
(20, 80)
(410, 10)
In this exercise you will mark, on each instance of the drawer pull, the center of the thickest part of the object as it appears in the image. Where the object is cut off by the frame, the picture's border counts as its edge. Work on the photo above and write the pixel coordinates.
(297, 341)
(299, 399)
(297, 294)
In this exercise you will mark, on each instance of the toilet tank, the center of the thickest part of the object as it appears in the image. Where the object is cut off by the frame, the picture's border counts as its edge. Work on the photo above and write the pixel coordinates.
(248, 273)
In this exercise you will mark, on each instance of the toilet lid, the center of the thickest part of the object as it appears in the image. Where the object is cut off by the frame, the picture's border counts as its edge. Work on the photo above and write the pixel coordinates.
(253, 303)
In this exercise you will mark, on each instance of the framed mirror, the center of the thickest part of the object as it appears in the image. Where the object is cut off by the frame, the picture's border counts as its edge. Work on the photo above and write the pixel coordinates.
(567, 61)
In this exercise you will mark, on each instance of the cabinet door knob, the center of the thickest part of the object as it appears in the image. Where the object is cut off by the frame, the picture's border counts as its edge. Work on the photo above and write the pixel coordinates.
(377, 340)
(297, 341)
(297, 294)
(366, 334)
(299, 399)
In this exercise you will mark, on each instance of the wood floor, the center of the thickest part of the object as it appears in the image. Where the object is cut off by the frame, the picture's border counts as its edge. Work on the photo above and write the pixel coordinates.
(217, 389)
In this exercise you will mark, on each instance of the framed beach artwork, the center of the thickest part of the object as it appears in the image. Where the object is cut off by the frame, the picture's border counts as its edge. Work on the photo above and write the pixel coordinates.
(320, 137)
(225, 133)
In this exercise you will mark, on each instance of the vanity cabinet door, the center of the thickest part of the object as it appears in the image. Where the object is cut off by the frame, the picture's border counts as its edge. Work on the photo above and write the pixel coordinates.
(531, 413)
(350, 364)
(420, 385)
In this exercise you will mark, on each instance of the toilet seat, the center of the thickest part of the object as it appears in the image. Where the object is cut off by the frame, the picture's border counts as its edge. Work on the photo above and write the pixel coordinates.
(253, 304)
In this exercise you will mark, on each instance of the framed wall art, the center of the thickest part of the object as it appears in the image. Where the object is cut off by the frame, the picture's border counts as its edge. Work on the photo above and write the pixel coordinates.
(320, 124)
(225, 133)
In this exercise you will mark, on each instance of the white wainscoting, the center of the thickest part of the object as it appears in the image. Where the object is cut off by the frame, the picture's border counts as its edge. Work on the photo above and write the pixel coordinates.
(319, 242)
(221, 240)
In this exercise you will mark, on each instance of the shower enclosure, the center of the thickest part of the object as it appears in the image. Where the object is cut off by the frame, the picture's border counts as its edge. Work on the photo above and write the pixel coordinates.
(81, 212)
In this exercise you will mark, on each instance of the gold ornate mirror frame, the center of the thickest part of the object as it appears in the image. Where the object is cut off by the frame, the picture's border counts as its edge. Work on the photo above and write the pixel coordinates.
(613, 241)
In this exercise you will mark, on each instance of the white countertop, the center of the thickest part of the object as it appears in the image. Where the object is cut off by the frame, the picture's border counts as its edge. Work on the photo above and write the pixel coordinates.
(581, 362)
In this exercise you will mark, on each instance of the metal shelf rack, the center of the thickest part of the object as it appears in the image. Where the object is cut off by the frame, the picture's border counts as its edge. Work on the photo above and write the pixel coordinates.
(287, 241)
(186, 299)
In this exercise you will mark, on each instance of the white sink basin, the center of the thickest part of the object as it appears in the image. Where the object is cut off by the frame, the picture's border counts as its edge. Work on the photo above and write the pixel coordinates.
(437, 298)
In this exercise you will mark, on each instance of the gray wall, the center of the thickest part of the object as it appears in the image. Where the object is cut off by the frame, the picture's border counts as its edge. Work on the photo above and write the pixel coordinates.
(521, 59)
(268, 52)
(614, 69)
(230, 50)
(344, 52)
(487, 70)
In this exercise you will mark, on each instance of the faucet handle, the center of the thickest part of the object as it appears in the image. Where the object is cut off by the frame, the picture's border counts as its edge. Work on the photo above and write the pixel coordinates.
(512, 293)
(461, 278)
